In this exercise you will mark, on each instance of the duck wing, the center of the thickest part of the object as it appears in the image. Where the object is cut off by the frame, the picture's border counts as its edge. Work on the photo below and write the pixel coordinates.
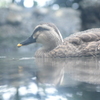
(84, 36)
(85, 43)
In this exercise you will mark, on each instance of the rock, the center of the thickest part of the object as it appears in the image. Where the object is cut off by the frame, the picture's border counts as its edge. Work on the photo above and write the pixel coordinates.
(14, 6)
(14, 18)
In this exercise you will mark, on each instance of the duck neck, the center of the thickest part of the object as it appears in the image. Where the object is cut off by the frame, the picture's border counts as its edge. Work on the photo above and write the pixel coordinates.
(47, 48)
(50, 46)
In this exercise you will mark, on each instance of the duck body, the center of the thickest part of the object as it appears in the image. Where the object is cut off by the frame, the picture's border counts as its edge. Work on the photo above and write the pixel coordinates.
(85, 43)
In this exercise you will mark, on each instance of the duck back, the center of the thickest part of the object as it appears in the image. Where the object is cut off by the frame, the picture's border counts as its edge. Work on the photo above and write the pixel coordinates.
(85, 43)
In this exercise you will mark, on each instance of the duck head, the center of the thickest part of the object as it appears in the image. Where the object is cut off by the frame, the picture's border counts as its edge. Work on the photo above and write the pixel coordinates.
(47, 34)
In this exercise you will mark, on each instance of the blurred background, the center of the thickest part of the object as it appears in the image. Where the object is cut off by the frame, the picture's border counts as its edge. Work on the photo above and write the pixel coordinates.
(24, 78)
(19, 17)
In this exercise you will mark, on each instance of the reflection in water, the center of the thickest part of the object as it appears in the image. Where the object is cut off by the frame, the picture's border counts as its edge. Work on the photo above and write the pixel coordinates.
(69, 71)
(50, 79)
(7, 93)
(31, 88)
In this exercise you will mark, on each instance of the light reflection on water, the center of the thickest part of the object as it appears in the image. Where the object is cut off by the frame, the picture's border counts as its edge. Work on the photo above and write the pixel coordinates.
(28, 78)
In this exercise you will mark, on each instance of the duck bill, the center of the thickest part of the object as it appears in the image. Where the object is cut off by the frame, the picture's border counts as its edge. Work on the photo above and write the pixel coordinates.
(27, 42)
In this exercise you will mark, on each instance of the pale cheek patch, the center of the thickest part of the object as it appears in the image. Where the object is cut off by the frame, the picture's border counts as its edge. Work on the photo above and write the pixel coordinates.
(41, 39)
(36, 35)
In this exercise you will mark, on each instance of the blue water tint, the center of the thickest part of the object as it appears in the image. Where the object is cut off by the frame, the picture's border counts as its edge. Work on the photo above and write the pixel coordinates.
(29, 78)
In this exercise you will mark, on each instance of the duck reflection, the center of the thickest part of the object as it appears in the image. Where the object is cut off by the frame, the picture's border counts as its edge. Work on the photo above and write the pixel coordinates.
(50, 78)
(68, 72)
(50, 71)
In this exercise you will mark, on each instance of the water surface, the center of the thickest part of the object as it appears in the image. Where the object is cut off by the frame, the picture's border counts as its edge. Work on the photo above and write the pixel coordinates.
(24, 77)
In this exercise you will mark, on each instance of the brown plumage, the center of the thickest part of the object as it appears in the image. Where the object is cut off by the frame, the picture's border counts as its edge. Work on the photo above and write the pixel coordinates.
(85, 43)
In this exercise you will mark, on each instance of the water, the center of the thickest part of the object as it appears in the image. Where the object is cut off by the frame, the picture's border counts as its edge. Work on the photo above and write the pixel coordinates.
(27, 78)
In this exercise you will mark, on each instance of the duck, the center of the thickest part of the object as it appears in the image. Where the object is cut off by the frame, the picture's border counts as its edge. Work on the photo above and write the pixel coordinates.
(79, 44)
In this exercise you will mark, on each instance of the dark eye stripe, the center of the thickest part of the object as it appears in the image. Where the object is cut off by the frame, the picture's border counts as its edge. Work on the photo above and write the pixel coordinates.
(40, 29)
